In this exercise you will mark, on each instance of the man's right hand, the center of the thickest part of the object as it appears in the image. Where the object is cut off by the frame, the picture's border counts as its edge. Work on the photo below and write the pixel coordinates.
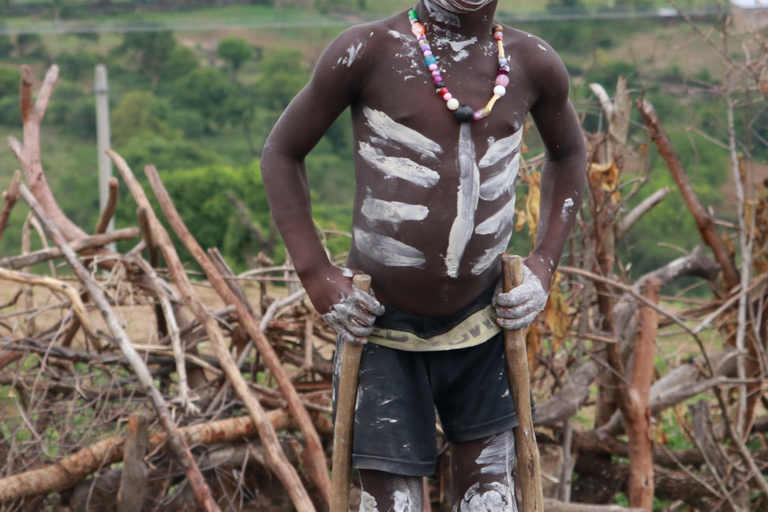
(349, 311)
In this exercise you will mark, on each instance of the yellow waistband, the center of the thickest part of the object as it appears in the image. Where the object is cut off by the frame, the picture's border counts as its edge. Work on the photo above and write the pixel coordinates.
(477, 328)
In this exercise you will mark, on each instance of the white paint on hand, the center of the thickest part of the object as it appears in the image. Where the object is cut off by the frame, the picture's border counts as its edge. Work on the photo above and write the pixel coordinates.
(392, 211)
(500, 149)
(398, 167)
(498, 457)
(482, 263)
(368, 503)
(387, 251)
(499, 221)
(498, 184)
(468, 196)
(387, 128)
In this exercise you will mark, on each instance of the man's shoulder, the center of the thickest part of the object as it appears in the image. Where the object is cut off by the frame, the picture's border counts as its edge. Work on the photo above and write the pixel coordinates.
(539, 61)
(361, 43)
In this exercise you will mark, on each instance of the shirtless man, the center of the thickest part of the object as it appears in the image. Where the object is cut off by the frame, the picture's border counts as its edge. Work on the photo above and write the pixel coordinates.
(433, 214)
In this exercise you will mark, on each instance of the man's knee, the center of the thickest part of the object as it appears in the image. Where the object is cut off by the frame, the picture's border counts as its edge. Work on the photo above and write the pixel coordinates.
(483, 469)
(386, 492)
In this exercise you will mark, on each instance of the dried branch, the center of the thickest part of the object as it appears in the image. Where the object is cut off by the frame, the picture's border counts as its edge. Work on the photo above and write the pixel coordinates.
(178, 445)
(704, 221)
(52, 284)
(80, 245)
(317, 466)
(275, 457)
(634, 216)
(109, 209)
(11, 196)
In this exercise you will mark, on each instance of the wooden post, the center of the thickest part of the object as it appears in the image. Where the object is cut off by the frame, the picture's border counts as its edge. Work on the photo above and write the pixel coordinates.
(133, 481)
(103, 136)
(528, 461)
(345, 415)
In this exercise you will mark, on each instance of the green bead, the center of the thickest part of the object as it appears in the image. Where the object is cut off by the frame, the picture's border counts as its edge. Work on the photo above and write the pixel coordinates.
(413, 15)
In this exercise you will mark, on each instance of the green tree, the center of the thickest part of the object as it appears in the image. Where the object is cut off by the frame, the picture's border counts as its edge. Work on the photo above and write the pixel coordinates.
(206, 91)
(278, 83)
(150, 51)
(181, 62)
(137, 113)
(6, 45)
(236, 52)
(30, 45)
(9, 81)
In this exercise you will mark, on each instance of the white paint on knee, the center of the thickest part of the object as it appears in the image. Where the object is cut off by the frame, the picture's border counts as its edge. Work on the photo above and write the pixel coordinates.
(402, 501)
(367, 503)
(489, 497)
(498, 457)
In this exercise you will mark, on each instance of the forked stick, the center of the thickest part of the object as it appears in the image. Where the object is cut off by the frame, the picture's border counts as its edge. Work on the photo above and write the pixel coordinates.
(345, 414)
(520, 386)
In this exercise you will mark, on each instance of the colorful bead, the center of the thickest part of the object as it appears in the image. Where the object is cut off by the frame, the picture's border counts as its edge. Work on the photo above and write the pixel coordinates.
(464, 114)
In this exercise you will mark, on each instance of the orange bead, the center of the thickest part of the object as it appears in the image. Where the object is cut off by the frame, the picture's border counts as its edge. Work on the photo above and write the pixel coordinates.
(417, 29)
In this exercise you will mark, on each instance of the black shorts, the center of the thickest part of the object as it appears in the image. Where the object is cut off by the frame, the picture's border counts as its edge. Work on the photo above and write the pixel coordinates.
(399, 391)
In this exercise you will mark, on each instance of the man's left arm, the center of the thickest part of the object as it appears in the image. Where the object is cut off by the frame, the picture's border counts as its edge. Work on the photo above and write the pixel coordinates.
(562, 183)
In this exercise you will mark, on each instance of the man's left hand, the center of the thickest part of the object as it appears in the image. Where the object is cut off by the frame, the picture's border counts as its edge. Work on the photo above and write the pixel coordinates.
(519, 307)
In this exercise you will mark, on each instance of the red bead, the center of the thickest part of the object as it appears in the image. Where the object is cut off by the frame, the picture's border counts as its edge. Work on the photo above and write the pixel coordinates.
(442, 91)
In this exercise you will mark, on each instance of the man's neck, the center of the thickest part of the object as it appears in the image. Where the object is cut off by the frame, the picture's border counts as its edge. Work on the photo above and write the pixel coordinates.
(465, 25)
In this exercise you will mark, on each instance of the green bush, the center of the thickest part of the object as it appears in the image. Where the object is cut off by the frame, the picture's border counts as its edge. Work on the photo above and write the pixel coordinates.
(10, 80)
(10, 115)
(205, 91)
(140, 112)
(79, 65)
(66, 98)
(181, 62)
(148, 148)
(189, 122)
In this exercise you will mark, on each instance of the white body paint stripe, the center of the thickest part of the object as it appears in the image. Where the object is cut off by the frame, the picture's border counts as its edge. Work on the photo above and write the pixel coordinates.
(498, 184)
(501, 148)
(499, 220)
(387, 251)
(396, 167)
(387, 128)
(484, 262)
(393, 211)
(469, 189)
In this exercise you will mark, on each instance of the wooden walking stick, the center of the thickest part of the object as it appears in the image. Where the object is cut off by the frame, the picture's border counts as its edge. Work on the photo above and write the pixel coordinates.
(345, 414)
(520, 386)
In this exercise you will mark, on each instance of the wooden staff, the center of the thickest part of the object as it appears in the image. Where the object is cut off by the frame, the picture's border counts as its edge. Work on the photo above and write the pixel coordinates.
(520, 386)
(345, 414)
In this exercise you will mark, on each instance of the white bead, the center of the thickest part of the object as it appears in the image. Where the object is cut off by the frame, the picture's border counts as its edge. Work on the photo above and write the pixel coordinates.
(499, 90)
(452, 103)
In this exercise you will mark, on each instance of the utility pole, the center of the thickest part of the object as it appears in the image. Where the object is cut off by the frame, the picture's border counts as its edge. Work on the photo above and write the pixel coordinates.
(103, 140)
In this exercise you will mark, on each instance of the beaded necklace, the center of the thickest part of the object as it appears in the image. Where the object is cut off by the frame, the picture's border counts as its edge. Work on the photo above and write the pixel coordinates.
(463, 113)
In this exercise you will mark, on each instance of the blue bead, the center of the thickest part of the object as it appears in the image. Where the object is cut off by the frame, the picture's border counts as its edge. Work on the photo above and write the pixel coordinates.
(503, 61)
(430, 60)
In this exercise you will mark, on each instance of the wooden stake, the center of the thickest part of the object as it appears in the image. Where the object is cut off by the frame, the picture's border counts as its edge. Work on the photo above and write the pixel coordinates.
(133, 481)
(520, 386)
(345, 415)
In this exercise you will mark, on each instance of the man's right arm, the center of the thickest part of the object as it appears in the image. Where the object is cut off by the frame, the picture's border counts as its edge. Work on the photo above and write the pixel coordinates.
(337, 81)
